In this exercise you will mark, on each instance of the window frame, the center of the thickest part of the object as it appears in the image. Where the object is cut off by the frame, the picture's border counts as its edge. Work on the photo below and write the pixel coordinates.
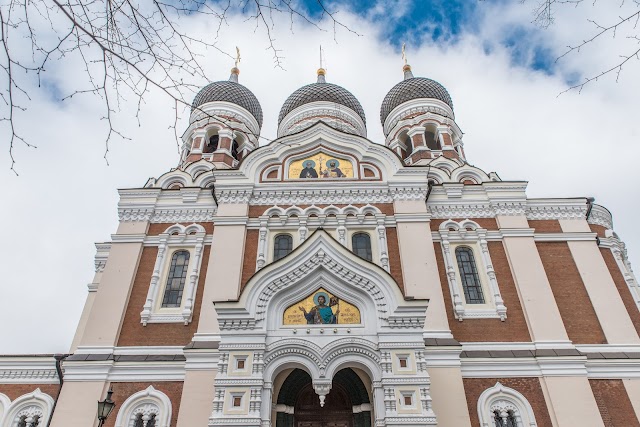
(275, 240)
(175, 239)
(362, 233)
(145, 402)
(469, 234)
(504, 399)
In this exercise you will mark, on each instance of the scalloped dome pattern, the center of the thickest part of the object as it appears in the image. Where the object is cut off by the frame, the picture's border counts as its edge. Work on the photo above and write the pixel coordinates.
(321, 92)
(413, 88)
(229, 91)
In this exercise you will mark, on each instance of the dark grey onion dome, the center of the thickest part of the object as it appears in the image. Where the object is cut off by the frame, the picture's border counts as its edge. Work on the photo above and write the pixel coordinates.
(229, 91)
(413, 88)
(321, 91)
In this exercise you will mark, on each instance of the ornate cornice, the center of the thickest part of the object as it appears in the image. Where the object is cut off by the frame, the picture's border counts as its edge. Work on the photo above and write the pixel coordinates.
(556, 212)
(166, 215)
(599, 215)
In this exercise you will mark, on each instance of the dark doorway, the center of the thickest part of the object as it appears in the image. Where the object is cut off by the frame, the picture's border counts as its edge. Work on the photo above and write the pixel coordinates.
(347, 392)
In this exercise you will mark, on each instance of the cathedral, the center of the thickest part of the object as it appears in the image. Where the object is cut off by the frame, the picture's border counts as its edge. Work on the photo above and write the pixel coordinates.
(326, 280)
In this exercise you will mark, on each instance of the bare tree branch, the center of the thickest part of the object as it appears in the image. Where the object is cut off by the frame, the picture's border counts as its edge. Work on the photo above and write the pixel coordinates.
(124, 48)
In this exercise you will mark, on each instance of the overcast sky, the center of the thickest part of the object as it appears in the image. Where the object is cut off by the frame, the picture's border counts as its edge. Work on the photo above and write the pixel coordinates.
(499, 69)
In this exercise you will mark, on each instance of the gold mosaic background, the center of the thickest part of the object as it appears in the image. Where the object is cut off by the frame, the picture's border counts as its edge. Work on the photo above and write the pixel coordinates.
(349, 313)
(321, 160)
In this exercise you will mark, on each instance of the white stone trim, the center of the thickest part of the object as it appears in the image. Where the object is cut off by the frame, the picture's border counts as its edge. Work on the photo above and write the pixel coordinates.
(175, 237)
(504, 399)
(304, 116)
(469, 233)
(600, 215)
(30, 405)
(430, 107)
(145, 402)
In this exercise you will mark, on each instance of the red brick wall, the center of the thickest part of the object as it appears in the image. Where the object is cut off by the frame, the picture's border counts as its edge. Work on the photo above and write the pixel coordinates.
(159, 228)
(623, 289)
(597, 229)
(514, 328)
(250, 256)
(133, 333)
(395, 265)
(14, 391)
(487, 223)
(546, 226)
(574, 304)
(122, 391)
(530, 388)
(614, 404)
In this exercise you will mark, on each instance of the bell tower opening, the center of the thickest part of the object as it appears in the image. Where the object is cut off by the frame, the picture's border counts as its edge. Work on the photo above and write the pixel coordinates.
(346, 405)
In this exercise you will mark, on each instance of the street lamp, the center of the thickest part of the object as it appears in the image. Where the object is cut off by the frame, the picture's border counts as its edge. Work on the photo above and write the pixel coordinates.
(105, 407)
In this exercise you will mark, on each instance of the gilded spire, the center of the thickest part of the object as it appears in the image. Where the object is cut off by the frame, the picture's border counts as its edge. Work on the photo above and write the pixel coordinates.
(235, 70)
(406, 67)
(321, 70)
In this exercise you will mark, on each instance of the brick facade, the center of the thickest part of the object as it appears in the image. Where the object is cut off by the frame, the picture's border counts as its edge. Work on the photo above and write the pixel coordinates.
(574, 304)
(14, 391)
(623, 288)
(513, 329)
(122, 391)
(614, 404)
(530, 388)
(133, 333)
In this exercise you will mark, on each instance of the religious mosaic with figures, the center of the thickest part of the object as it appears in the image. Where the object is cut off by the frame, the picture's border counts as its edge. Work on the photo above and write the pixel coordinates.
(321, 165)
(321, 308)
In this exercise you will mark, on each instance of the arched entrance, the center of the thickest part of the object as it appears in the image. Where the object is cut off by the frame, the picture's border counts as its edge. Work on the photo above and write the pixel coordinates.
(347, 405)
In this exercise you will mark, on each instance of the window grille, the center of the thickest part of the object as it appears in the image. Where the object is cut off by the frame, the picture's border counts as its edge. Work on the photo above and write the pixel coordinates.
(139, 422)
(469, 276)
(361, 244)
(176, 279)
(152, 421)
(509, 420)
(282, 246)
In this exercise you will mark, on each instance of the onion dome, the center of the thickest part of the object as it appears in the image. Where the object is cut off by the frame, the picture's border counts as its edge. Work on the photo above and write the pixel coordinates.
(230, 91)
(324, 101)
(413, 88)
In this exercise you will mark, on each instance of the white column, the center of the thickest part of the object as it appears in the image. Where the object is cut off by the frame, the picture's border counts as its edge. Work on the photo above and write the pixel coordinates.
(493, 283)
(342, 230)
(155, 277)
(262, 244)
(302, 230)
(458, 305)
(382, 242)
(265, 405)
(187, 311)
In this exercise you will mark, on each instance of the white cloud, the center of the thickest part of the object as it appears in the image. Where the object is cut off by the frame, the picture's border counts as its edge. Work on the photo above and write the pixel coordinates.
(514, 123)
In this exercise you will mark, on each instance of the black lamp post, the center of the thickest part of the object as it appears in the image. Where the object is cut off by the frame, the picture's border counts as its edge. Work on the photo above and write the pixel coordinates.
(105, 407)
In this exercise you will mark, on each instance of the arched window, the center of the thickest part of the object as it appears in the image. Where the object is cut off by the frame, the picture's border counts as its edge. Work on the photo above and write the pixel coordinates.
(282, 246)
(176, 279)
(146, 408)
(432, 140)
(469, 276)
(501, 406)
(29, 410)
(234, 149)
(212, 144)
(361, 245)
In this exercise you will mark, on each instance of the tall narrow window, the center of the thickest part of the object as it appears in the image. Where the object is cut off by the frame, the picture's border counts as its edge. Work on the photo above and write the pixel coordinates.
(469, 276)
(282, 246)
(152, 421)
(139, 422)
(234, 149)
(212, 144)
(176, 279)
(22, 422)
(361, 244)
(432, 140)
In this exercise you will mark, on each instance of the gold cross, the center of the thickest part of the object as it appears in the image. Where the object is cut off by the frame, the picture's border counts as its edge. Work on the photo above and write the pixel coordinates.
(237, 56)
